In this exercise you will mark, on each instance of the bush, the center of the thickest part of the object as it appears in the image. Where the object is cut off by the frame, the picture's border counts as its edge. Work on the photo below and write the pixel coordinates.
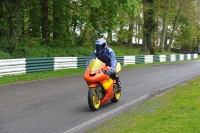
(56, 52)
(83, 50)
(7, 45)
(32, 48)
(4, 55)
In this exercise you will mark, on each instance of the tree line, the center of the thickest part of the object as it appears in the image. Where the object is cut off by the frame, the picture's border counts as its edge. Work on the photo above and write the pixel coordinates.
(160, 24)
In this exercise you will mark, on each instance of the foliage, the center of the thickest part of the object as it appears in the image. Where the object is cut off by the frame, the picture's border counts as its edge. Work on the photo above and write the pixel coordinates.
(33, 49)
(60, 24)
(32, 18)
(185, 38)
(4, 55)
(7, 45)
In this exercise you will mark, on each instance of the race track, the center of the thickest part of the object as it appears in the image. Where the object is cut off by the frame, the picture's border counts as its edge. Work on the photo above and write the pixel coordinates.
(59, 105)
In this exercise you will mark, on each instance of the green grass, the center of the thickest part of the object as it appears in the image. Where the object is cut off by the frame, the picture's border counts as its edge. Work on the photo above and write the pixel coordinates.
(39, 75)
(175, 112)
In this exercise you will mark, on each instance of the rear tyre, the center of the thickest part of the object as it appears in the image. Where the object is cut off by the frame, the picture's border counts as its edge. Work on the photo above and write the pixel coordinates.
(94, 101)
(116, 97)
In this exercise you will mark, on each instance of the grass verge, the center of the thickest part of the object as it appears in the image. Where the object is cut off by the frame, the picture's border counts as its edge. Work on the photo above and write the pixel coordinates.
(39, 75)
(175, 112)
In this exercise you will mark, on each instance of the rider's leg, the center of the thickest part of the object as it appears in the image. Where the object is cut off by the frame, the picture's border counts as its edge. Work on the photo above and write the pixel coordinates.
(119, 84)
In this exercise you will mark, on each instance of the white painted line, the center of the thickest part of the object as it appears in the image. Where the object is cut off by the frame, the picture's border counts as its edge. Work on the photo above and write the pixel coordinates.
(105, 114)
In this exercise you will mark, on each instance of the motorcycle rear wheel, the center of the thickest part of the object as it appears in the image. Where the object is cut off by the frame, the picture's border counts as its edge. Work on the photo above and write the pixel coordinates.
(94, 101)
(116, 97)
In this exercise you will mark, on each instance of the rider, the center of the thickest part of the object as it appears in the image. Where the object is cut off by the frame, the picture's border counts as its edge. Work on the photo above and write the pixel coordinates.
(106, 55)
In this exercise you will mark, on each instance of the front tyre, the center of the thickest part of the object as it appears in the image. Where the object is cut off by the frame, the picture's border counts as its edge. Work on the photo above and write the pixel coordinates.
(94, 101)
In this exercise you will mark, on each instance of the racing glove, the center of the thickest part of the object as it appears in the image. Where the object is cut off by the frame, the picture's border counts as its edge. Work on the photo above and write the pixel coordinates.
(109, 72)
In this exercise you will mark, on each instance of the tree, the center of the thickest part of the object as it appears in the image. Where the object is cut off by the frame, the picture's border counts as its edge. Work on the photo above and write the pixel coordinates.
(187, 33)
(45, 21)
(15, 19)
(131, 10)
(34, 16)
(165, 5)
(80, 22)
(175, 26)
(149, 25)
(1, 18)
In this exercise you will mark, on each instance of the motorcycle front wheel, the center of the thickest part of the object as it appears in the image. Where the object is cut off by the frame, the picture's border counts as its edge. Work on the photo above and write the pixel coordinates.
(94, 101)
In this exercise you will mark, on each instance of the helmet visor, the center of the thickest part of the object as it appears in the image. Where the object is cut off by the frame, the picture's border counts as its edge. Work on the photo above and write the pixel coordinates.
(99, 48)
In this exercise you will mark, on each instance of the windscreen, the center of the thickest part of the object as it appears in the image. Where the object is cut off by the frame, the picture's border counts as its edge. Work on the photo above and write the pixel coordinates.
(95, 65)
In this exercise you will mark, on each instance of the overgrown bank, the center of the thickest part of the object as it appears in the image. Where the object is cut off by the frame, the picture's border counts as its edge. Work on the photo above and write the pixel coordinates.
(7, 51)
(36, 48)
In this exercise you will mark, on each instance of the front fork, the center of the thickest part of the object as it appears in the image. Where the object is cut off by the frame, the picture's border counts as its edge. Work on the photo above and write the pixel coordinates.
(98, 89)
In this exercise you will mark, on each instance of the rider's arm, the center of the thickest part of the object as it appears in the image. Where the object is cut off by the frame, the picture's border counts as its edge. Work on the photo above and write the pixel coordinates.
(113, 59)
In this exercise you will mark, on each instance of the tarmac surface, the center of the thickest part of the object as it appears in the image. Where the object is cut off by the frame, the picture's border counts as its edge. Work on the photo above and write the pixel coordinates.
(59, 105)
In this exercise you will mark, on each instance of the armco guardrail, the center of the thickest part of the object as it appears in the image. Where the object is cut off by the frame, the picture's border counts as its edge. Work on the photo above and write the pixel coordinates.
(158, 58)
(65, 62)
(39, 64)
(31, 65)
(12, 66)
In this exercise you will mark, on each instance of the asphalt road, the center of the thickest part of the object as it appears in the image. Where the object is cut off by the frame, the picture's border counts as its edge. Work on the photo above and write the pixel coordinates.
(59, 105)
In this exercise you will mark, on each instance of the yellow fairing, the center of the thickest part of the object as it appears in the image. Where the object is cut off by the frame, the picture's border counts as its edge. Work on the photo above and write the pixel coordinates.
(95, 65)
(107, 84)
(118, 67)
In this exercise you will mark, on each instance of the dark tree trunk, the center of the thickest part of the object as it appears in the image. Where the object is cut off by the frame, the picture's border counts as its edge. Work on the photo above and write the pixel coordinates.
(109, 36)
(10, 18)
(22, 19)
(44, 21)
(130, 37)
(164, 30)
(15, 19)
(149, 25)
(136, 33)
(163, 35)
(120, 39)
(1, 16)
(55, 20)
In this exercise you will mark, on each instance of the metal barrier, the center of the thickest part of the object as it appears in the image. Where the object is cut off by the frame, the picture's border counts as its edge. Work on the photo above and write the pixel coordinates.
(39, 64)
(65, 62)
(31, 65)
(12, 66)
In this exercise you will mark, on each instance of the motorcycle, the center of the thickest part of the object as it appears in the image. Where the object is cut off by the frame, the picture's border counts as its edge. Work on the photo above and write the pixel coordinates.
(102, 88)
